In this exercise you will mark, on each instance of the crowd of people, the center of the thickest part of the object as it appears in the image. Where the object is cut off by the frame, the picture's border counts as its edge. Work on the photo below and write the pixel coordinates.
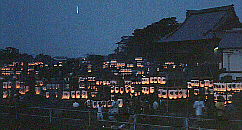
(223, 112)
(220, 109)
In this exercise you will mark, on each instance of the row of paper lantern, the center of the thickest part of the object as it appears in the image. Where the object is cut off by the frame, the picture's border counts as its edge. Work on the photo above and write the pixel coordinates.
(8, 84)
(207, 90)
(227, 87)
(153, 80)
(38, 89)
(122, 90)
(198, 83)
(227, 97)
(145, 90)
(148, 90)
(74, 94)
(22, 90)
(172, 94)
(94, 103)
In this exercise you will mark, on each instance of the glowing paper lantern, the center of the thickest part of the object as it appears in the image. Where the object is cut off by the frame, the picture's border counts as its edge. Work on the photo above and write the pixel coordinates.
(152, 89)
(47, 94)
(17, 84)
(73, 94)
(164, 93)
(120, 102)
(78, 94)
(127, 89)
(112, 89)
(37, 90)
(184, 93)
(170, 94)
(132, 89)
(116, 89)
(66, 95)
(94, 104)
(159, 93)
(84, 94)
(196, 91)
(179, 93)
(229, 86)
(5, 84)
(5, 94)
(121, 90)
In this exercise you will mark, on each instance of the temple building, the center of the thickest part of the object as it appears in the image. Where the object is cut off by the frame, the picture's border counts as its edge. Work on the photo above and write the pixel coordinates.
(198, 36)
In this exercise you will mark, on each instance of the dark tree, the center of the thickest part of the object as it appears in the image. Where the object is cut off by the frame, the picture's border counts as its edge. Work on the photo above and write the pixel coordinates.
(142, 43)
(46, 59)
(9, 55)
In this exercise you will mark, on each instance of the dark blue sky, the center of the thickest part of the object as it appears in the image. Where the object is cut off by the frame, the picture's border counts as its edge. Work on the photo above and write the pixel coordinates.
(54, 28)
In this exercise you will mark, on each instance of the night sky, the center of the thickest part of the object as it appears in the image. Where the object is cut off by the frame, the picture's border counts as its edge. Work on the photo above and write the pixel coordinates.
(53, 27)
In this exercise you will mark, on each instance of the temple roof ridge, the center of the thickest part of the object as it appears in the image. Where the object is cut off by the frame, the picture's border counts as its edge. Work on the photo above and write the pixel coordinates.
(209, 10)
(203, 24)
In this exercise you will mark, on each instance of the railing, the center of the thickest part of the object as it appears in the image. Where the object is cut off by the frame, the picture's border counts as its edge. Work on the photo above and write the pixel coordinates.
(44, 118)
(172, 122)
(48, 117)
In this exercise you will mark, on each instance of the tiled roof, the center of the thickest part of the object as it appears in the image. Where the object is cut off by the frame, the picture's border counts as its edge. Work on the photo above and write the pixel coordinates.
(231, 40)
(200, 24)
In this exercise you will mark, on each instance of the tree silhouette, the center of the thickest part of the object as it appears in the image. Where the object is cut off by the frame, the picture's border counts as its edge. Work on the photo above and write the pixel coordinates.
(143, 42)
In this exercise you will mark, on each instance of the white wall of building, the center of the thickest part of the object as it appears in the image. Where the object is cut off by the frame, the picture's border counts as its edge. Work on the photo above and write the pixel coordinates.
(232, 62)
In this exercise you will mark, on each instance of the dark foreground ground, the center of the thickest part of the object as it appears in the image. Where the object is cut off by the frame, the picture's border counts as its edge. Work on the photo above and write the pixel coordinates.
(45, 118)
(65, 117)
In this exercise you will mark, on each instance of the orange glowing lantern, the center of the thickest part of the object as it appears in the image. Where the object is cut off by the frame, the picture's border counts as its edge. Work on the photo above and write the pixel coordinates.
(26, 88)
(84, 94)
(132, 89)
(73, 94)
(78, 94)
(66, 95)
(5, 94)
(195, 83)
(116, 89)
(47, 94)
(163, 80)
(121, 90)
(202, 83)
(127, 89)
(152, 89)
(189, 85)
(164, 93)
(9, 84)
(112, 89)
(159, 93)
(17, 84)
(37, 90)
(145, 80)
(170, 94)
(179, 93)
(184, 93)
(196, 91)
(5, 84)
(120, 102)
